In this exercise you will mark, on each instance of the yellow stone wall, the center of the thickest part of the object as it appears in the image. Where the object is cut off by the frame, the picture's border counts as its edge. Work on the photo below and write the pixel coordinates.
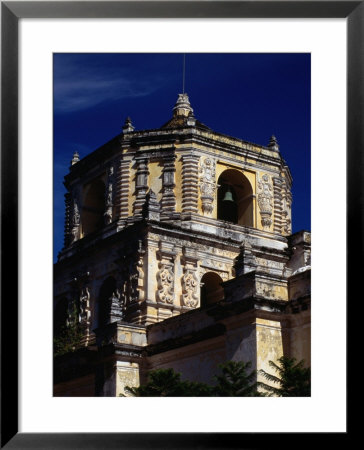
(269, 344)
(127, 374)
(155, 178)
(223, 162)
(300, 339)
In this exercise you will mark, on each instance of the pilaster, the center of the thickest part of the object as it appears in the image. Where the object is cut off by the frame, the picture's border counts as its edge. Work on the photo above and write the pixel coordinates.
(123, 186)
(165, 294)
(168, 201)
(277, 190)
(67, 221)
(141, 186)
(207, 184)
(190, 183)
(108, 215)
(76, 219)
(190, 279)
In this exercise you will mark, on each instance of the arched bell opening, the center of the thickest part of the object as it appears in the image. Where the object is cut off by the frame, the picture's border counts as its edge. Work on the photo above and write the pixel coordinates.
(92, 214)
(235, 198)
(107, 290)
(211, 290)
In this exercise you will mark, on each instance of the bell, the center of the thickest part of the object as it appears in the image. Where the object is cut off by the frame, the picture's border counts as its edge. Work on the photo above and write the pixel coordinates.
(228, 197)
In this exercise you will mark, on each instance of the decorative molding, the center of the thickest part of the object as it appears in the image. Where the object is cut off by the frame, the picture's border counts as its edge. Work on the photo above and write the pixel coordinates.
(222, 274)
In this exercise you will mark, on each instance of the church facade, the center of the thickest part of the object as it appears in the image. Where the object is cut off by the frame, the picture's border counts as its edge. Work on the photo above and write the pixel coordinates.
(178, 252)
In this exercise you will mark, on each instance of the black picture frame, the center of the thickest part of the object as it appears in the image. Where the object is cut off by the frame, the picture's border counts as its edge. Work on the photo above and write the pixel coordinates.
(11, 12)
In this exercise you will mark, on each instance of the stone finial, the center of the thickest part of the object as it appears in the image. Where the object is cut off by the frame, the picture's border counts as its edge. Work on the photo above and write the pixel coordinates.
(245, 262)
(128, 126)
(75, 159)
(273, 143)
(191, 120)
(151, 207)
(182, 107)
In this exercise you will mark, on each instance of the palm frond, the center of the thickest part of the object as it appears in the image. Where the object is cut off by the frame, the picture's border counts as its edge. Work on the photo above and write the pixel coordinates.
(269, 376)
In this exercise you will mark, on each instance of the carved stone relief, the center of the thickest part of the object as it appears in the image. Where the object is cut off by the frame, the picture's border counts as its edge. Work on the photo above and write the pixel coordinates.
(137, 278)
(85, 312)
(117, 306)
(265, 200)
(165, 279)
(190, 280)
(286, 213)
(109, 197)
(75, 232)
(207, 184)
(190, 285)
(131, 274)
(165, 275)
(84, 317)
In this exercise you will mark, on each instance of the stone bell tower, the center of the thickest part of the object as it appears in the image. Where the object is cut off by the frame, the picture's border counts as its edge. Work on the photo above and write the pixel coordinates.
(161, 222)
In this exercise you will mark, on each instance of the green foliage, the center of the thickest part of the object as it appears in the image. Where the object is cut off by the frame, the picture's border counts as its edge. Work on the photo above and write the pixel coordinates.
(168, 383)
(293, 380)
(235, 381)
(70, 336)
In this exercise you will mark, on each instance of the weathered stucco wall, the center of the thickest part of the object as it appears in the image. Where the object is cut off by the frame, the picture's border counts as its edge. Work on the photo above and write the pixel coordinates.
(269, 344)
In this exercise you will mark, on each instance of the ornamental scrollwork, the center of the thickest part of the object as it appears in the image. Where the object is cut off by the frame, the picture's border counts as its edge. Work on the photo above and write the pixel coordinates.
(165, 279)
(190, 284)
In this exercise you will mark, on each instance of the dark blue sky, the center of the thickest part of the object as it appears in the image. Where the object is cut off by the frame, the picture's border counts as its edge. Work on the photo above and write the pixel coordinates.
(245, 95)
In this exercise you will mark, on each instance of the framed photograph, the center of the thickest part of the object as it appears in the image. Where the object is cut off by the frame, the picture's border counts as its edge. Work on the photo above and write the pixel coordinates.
(302, 61)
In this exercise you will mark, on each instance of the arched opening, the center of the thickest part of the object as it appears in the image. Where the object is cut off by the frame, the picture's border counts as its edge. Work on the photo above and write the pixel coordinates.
(92, 215)
(60, 316)
(235, 198)
(108, 287)
(211, 289)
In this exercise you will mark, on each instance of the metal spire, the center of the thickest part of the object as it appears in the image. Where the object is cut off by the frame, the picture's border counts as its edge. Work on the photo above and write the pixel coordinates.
(184, 71)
